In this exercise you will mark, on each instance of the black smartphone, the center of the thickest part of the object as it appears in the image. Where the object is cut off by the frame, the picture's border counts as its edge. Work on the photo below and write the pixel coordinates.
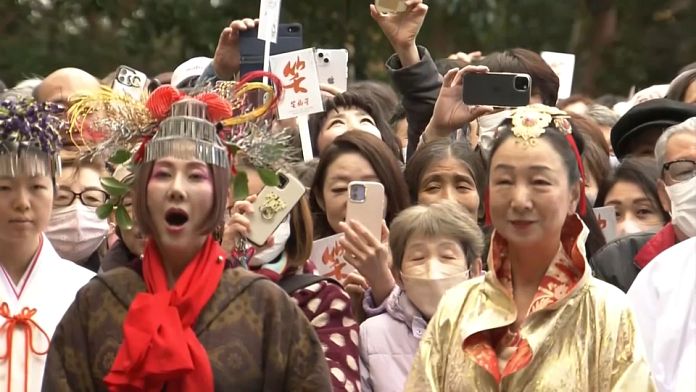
(497, 89)
(251, 48)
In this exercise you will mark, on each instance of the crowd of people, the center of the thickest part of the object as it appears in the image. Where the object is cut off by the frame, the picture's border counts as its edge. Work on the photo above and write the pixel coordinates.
(127, 265)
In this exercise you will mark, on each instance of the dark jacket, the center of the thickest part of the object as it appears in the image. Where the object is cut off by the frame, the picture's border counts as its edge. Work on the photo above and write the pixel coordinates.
(614, 263)
(419, 85)
(620, 261)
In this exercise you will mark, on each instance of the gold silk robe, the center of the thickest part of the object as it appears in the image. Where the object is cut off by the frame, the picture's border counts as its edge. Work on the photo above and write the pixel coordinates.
(579, 334)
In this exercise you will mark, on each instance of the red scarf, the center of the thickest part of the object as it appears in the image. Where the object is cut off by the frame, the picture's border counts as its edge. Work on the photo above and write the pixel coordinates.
(159, 347)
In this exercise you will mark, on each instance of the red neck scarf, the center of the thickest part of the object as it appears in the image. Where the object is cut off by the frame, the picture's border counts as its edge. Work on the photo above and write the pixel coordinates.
(159, 346)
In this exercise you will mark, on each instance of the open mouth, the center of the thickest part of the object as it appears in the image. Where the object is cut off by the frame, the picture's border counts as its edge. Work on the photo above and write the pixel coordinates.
(176, 217)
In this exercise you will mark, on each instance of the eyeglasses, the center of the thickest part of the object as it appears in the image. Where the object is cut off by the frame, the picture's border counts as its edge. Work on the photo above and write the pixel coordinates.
(89, 197)
(680, 170)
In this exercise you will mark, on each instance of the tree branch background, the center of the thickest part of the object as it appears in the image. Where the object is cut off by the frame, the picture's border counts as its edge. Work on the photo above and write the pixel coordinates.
(618, 43)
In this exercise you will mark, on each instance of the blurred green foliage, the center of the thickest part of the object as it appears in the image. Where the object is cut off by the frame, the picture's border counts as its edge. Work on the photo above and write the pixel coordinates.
(619, 43)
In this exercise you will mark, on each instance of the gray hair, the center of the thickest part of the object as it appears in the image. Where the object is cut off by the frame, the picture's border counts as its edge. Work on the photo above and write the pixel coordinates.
(602, 115)
(446, 219)
(688, 126)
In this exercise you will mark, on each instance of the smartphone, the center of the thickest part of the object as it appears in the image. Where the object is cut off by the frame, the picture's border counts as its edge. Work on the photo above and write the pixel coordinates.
(130, 81)
(390, 6)
(497, 89)
(332, 67)
(366, 204)
(272, 206)
(251, 48)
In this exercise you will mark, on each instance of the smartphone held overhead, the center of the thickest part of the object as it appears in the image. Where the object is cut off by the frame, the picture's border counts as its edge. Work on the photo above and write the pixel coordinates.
(130, 81)
(251, 48)
(497, 89)
(332, 67)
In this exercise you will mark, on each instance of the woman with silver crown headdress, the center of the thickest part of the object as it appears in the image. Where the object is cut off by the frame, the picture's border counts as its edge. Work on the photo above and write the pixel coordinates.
(181, 319)
(32, 300)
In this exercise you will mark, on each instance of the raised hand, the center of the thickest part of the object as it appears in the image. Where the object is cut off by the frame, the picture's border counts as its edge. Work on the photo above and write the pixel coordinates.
(226, 61)
(450, 112)
(402, 29)
(370, 256)
(239, 226)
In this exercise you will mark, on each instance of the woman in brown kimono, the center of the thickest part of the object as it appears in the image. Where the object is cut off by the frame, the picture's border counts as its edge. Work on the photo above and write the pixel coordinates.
(181, 319)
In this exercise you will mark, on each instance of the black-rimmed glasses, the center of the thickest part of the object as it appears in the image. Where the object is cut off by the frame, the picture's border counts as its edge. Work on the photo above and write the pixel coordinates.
(88, 197)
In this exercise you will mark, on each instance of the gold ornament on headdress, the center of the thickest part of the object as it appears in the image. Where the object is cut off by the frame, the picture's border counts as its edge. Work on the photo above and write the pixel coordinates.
(106, 119)
(530, 122)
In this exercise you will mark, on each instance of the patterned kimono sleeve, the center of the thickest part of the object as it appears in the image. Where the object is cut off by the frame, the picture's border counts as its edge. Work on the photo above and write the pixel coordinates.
(630, 370)
(328, 308)
(292, 356)
(67, 365)
(426, 371)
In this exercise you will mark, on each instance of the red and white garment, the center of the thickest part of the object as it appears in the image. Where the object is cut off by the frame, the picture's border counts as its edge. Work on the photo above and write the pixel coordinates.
(30, 310)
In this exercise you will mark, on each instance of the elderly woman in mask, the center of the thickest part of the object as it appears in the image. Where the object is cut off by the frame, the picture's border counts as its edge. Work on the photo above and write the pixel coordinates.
(537, 320)
(182, 318)
(434, 248)
(36, 285)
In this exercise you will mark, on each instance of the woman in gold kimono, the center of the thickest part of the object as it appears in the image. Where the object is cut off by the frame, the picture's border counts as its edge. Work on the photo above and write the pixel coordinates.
(537, 320)
(181, 319)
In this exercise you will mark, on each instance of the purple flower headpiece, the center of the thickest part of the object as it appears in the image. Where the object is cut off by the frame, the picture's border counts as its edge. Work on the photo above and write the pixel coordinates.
(30, 137)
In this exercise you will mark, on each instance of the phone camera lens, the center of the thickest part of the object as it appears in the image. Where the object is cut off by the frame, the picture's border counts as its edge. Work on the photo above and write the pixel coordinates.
(321, 55)
(521, 83)
(357, 193)
(326, 61)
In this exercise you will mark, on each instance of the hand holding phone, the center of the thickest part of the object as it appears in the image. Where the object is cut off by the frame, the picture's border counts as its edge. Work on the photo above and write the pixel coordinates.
(251, 48)
(449, 113)
(272, 206)
(226, 60)
(496, 89)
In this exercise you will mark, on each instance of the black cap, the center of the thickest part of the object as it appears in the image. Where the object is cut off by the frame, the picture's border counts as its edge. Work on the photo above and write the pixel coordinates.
(650, 114)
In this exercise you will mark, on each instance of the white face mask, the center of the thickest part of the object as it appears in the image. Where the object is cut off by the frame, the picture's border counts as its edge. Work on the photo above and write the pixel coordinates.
(76, 231)
(425, 293)
(683, 198)
(280, 238)
(488, 126)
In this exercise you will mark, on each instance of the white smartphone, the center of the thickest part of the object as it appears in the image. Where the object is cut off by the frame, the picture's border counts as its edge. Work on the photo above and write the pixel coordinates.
(332, 67)
(390, 6)
(272, 207)
(366, 204)
(130, 81)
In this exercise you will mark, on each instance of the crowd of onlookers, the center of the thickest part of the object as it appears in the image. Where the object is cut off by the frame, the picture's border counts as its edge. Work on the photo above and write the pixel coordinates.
(493, 268)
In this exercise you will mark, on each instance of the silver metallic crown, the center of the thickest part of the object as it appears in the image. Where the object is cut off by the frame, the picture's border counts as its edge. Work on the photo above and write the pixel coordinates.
(187, 134)
(20, 160)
